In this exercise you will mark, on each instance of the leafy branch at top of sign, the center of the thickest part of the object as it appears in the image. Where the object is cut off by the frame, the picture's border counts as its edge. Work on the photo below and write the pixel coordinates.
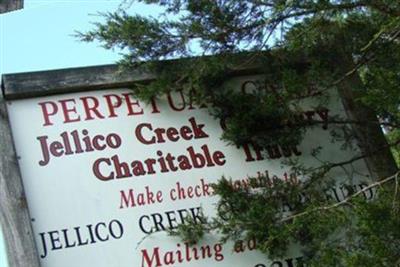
(304, 51)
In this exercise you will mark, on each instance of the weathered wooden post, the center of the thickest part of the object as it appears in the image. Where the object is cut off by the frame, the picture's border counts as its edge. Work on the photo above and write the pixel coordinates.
(10, 5)
(14, 213)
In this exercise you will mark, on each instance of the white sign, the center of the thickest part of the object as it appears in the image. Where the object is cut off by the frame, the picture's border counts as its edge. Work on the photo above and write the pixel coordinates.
(105, 175)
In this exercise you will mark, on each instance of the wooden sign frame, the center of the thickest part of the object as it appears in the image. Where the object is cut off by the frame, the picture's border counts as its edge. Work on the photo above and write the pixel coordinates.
(14, 214)
(10, 5)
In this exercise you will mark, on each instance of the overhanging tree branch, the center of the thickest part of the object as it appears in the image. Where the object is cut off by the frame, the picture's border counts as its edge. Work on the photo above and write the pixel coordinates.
(344, 201)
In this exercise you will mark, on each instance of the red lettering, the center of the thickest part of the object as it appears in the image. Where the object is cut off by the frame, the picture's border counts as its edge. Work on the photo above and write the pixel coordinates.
(47, 113)
(155, 257)
(67, 110)
(96, 169)
(91, 110)
(112, 105)
(159, 133)
(172, 104)
(172, 134)
(134, 107)
(186, 133)
(139, 136)
(96, 143)
(57, 149)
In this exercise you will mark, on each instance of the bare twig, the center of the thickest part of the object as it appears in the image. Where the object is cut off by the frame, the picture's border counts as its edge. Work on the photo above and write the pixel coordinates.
(344, 201)
(396, 188)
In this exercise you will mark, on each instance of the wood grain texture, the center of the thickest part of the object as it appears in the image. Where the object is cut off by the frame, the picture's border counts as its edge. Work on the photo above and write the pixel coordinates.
(10, 5)
(33, 84)
(14, 214)
(44, 83)
(369, 134)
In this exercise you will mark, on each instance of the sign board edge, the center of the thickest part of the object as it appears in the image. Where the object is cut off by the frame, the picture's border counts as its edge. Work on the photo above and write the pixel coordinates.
(15, 219)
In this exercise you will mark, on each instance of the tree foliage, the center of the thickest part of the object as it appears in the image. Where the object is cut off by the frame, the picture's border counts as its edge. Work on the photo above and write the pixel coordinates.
(299, 46)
